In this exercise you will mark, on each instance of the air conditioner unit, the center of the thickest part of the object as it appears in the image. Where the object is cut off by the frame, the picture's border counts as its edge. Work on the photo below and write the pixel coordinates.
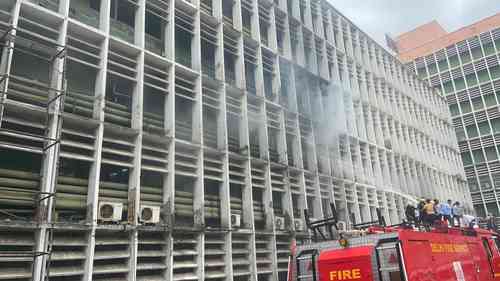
(235, 220)
(341, 225)
(149, 214)
(299, 224)
(388, 144)
(279, 223)
(110, 211)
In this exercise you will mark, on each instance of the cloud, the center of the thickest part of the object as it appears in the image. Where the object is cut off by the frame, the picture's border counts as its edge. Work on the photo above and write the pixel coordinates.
(377, 17)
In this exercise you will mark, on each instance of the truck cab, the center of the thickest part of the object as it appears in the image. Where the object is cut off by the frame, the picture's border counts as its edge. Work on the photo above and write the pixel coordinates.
(401, 253)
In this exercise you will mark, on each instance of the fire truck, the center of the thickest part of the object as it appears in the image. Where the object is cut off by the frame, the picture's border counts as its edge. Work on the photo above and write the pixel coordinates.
(377, 252)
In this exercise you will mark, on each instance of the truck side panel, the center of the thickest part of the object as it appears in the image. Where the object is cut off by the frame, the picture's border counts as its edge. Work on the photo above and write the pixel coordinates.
(417, 263)
(440, 257)
(480, 260)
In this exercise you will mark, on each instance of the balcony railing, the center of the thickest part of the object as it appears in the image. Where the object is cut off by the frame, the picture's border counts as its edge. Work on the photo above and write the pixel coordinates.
(154, 44)
(122, 30)
(87, 16)
(247, 31)
(228, 20)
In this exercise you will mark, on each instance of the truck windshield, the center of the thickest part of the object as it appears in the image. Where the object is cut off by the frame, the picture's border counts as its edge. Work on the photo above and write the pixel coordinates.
(389, 262)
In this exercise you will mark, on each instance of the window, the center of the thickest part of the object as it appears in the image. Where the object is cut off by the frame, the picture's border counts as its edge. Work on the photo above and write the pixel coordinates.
(484, 182)
(465, 106)
(495, 124)
(389, 266)
(183, 47)
(123, 11)
(422, 72)
(95, 4)
(454, 109)
(489, 100)
(495, 72)
(477, 103)
(459, 83)
(477, 53)
(465, 57)
(454, 61)
(466, 158)
(489, 49)
(484, 128)
(432, 68)
(460, 134)
(471, 79)
(448, 87)
(472, 131)
(483, 76)
(478, 156)
(154, 25)
(491, 153)
(472, 183)
(443, 65)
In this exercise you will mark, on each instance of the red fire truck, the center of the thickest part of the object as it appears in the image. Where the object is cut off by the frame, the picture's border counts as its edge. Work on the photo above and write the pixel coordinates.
(398, 253)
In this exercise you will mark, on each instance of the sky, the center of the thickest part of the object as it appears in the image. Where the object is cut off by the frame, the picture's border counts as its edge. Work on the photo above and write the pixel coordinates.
(378, 17)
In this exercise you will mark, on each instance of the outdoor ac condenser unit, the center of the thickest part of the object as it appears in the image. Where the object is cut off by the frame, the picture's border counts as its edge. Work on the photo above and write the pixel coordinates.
(110, 211)
(279, 223)
(299, 225)
(235, 220)
(149, 214)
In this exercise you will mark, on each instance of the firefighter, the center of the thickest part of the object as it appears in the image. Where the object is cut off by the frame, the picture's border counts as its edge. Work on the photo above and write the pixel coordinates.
(410, 214)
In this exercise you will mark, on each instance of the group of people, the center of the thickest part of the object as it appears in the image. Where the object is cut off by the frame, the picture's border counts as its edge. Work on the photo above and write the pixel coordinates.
(429, 211)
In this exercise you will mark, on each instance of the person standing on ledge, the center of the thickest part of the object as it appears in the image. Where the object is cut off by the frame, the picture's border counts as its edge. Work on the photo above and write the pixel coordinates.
(429, 213)
(457, 212)
(445, 211)
(490, 222)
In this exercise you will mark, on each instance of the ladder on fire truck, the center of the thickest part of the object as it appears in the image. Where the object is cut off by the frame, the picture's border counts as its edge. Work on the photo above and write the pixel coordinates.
(317, 227)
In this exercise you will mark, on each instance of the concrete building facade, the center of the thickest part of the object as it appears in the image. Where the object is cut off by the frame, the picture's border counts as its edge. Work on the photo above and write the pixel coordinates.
(181, 140)
(464, 66)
